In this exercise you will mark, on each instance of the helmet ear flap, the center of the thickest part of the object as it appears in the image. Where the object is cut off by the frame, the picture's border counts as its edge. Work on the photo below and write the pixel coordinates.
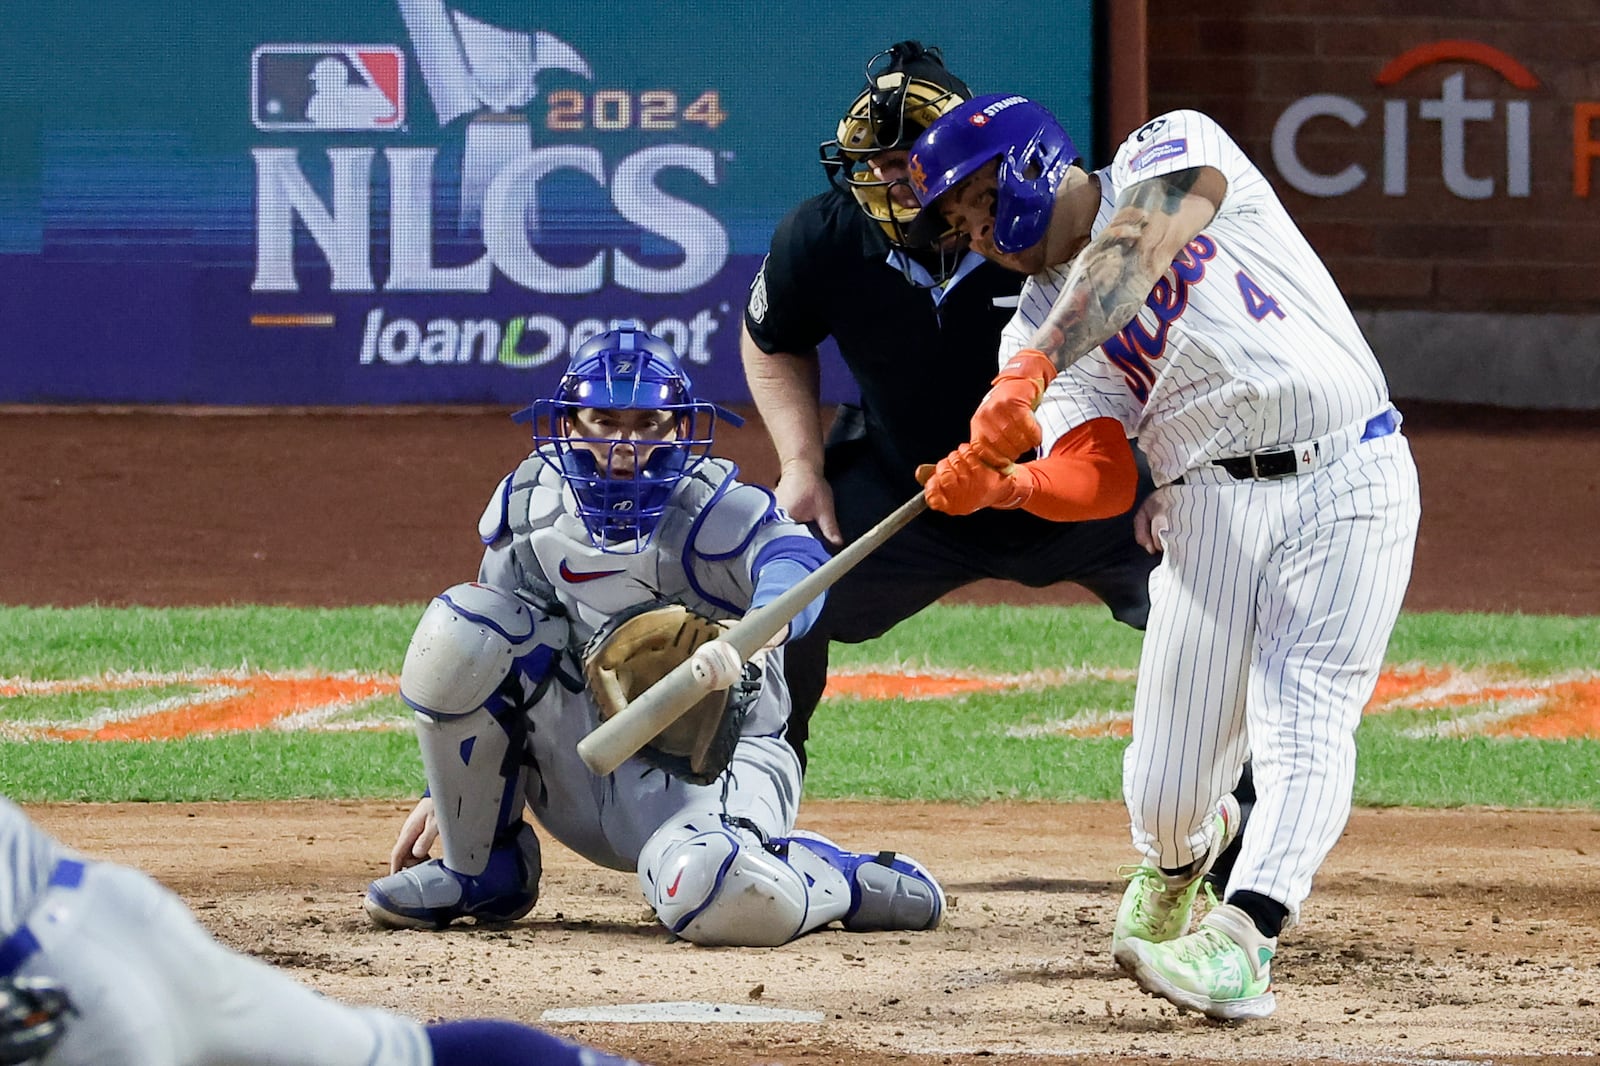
(1033, 151)
(1026, 197)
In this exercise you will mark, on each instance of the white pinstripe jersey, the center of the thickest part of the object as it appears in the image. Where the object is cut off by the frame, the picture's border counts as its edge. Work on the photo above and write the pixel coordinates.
(1245, 343)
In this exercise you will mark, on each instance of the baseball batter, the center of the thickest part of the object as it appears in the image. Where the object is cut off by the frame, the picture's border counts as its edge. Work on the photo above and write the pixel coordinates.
(99, 964)
(1172, 294)
(840, 267)
(620, 505)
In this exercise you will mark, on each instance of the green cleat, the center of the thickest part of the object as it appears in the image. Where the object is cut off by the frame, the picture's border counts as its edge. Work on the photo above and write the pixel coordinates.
(1223, 969)
(1157, 911)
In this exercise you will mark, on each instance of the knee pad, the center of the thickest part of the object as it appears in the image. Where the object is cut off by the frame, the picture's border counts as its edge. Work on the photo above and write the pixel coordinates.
(469, 640)
(719, 886)
(479, 658)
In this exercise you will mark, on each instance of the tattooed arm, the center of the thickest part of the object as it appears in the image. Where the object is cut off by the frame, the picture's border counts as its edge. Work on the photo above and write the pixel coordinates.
(1115, 272)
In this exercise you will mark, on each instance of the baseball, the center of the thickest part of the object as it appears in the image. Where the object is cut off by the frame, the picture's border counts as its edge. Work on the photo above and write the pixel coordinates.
(716, 664)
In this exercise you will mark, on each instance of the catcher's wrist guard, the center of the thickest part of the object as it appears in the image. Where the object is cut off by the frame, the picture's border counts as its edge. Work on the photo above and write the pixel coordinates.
(640, 646)
(33, 1016)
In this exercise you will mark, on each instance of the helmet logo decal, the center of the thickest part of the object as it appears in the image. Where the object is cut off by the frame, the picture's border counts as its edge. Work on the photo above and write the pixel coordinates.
(919, 176)
(999, 106)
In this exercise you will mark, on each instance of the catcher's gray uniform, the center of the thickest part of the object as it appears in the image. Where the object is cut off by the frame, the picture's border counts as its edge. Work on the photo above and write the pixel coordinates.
(719, 863)
(701, 555)
(151, 987)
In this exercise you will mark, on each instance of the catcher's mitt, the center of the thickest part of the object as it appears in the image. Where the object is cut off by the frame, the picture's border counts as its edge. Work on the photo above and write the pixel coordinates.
(32, 1018)
(640, 646)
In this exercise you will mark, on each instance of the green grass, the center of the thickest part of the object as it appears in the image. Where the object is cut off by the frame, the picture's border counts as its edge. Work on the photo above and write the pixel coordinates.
(961, 750)
(1529, 644)
(47, 643)
(967, 749)
(239, 766)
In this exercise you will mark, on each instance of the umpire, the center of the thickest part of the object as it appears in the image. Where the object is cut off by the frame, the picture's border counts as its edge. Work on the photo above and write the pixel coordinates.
(919, 331)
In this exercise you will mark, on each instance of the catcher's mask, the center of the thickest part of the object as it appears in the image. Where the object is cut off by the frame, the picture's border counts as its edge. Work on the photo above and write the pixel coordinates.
(623, 370)
(1034, 154)
(907, 89)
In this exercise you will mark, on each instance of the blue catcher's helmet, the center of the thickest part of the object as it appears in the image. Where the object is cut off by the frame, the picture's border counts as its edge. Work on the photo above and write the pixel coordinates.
(1034, 153)
(624, 369)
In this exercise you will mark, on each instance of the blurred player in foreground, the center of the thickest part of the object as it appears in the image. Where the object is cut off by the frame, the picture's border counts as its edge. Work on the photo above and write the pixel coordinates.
(1171, 298)
(620, 507)
(102, 966)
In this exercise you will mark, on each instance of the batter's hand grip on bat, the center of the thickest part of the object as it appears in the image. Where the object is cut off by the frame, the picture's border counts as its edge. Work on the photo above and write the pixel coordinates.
(610, 744)
(1003, 426)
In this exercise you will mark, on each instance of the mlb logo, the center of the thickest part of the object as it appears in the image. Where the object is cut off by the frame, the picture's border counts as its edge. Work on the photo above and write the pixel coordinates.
(328, 87)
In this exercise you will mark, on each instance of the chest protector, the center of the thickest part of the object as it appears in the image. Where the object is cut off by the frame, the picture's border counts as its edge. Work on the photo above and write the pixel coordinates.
(700, 555)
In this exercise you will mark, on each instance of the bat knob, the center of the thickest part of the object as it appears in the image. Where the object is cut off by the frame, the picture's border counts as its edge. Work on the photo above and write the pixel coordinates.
(716, 664)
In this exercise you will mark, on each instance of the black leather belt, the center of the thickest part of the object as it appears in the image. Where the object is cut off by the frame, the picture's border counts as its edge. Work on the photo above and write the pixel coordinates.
(1287, 461)
(1261, 465)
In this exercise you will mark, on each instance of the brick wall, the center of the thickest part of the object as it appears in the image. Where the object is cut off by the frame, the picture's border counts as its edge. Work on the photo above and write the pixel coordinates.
(1430, 248)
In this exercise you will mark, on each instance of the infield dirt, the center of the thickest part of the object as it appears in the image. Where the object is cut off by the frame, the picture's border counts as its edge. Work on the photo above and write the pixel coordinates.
(1447, 935)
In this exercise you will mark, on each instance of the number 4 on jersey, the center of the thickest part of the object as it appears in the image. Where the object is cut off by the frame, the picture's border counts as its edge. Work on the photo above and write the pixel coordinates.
(1256, 300)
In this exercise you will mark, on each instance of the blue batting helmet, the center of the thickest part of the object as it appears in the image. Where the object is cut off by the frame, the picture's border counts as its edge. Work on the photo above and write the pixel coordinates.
(1034, 154)
(624, 369)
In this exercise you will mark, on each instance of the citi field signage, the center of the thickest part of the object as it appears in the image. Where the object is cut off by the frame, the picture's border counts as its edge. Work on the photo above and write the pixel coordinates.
(1456, 114)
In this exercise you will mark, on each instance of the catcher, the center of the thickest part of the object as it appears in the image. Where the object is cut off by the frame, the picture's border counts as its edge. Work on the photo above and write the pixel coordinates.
(614, 552)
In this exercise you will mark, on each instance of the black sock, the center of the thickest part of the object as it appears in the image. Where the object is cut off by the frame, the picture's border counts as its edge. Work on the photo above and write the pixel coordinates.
(1268, 914)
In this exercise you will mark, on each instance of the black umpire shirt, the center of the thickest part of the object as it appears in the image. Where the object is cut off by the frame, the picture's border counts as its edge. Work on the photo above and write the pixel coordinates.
(921, 368)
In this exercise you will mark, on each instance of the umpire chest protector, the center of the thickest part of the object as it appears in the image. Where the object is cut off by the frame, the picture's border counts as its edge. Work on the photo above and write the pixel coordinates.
(699, 555)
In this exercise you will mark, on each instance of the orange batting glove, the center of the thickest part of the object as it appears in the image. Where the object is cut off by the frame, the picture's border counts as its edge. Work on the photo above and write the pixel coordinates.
(1003, 427)
(963, 483)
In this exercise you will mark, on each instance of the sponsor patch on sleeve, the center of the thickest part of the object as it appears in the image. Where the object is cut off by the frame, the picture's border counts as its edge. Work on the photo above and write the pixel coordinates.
(1157, 152)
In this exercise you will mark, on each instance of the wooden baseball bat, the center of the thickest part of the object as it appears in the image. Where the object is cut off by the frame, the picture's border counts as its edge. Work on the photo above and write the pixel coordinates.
(663, 703)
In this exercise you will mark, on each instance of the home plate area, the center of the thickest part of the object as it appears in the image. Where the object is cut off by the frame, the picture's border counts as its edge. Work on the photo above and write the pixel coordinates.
(698, 1013)
(1459, 935)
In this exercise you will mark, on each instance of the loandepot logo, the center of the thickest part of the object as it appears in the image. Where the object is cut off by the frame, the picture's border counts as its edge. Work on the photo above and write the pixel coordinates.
(1458, 116)
(486, 75)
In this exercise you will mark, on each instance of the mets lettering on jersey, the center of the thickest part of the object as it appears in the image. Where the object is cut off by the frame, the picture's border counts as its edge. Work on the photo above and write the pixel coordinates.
(327, 87)
(1245, 344)
(1135, 349)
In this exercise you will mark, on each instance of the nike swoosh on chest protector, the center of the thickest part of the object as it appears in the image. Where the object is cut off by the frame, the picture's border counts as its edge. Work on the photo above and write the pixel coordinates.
(578, 577)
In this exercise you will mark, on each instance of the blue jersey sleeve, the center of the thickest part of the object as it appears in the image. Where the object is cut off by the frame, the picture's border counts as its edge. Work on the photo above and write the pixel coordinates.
(779, 566)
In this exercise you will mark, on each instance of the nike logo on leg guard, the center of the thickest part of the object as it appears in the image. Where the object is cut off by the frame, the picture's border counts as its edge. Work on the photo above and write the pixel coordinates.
(672, 889)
